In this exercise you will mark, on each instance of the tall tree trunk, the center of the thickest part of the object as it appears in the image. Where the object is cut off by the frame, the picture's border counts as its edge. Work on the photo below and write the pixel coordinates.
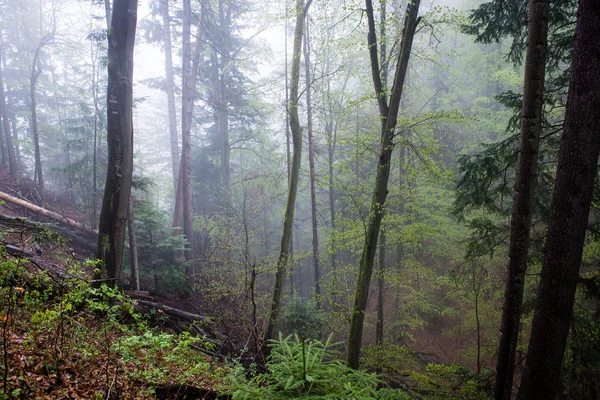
(531, 121)
(311, 163)
(571, 199)
(389, 115)
(189, 68)
(380, 298)
(113, 218)
(287, 142)
(12, 161)
(476, 286)
(187, 90)
(35, 73)
(296, 129)
(95, 151)
(382, 246)
(166, 21)
(222, 109)
(133, 253)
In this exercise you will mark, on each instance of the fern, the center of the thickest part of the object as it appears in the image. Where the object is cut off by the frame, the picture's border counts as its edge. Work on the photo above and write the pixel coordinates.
(311, 369)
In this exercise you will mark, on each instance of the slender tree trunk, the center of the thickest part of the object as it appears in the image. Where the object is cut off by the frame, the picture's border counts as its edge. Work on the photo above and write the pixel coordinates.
(113, 218)
(190, 66)
(95, 152)
(35, 73)
(311, 162)
(287, 142)
(222, 109)
(296, 129)
(225, 149)
(15, 132)
(178, 201)
(476, 290)
(12, 161)
(380, 297)
(133, 253)
(382, 246)
(389, 115)
(186, 141)
(531, 121)
(571, 199)
(166, 20)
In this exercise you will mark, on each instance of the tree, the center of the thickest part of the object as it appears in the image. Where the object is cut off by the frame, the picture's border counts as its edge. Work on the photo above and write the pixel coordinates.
(571, 200)
(184, 188)
(388, 115)
(286, 238)
(311, 163)
(187, 105)
(113, 217)
(12, 161)
(531, 127)
(33, 77)
(166, 23)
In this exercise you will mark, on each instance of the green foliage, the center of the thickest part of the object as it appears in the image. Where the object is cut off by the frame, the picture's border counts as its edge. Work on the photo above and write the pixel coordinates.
(60, 330)
(161, 264)
(450, 381)
(399, 359)
(299, 317)
(306, 369)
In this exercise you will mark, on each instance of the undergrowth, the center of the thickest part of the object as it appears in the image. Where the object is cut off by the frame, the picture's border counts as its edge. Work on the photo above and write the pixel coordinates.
(65, 339)
(62, 338)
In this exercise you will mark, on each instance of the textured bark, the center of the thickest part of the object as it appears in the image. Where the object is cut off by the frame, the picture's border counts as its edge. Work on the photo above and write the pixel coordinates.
(382, 246)
(133, 255)
(531, 126)
(296, 129)
(311, 163)
(389, 115)
(571, 199)
(12, 161)
(166, 20)
(113, 218)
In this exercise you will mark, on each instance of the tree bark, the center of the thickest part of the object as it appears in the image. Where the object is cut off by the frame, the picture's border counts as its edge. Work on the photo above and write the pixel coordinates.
(389, 115)
(571, 199)
(12, 161)
(382, 246)
(296, 129)
(186, 141)
(531, 126)
(189, 68)
(164, 9)
(380, 297)
(311, 163)
(133, 254)
(113, 217)
(35, 73)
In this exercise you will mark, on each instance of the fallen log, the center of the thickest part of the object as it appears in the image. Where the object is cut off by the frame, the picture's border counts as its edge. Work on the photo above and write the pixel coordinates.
(190, 317)
(31, 257)
(181, 321)
(47, 213)
(85, 240)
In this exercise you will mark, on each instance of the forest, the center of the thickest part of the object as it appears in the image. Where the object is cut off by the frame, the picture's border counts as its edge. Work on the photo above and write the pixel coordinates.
(314, 199)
